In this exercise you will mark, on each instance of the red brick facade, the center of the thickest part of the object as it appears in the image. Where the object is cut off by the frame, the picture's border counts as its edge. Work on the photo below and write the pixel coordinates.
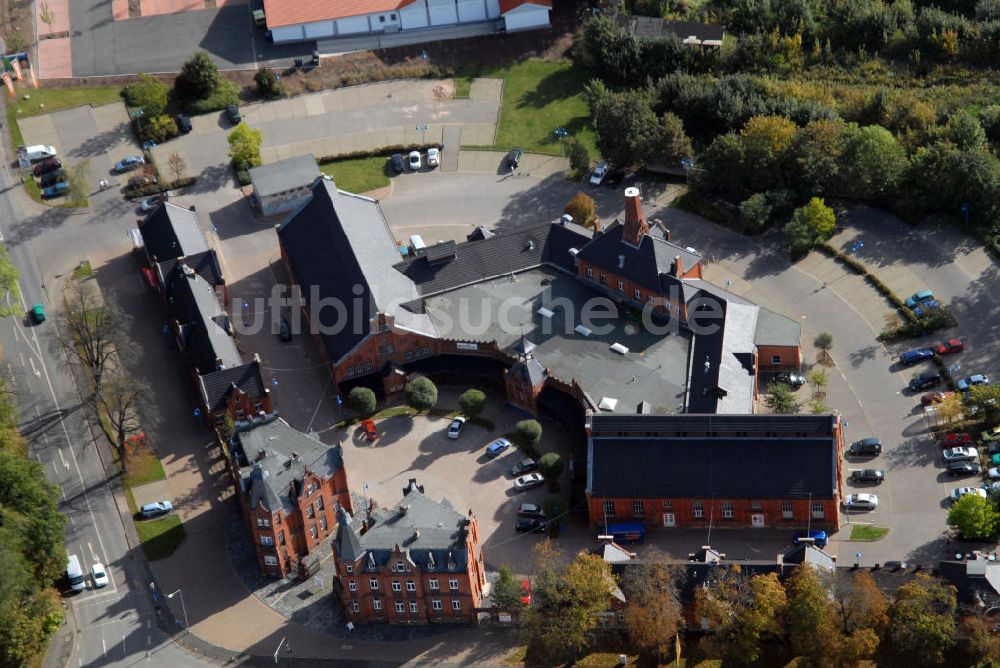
(720, 513)
(771, 359)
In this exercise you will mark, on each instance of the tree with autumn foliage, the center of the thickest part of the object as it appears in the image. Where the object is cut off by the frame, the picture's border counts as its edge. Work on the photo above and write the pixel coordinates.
(560, 623)
(582, 208)
(921, 623)
(653, 617)
(742, 612)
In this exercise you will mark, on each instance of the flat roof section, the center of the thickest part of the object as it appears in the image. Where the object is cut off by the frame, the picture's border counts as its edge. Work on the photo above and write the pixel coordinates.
(653, 370)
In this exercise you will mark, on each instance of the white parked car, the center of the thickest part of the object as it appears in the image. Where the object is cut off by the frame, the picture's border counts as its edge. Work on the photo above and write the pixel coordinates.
(993, 473)
(100, 575)
(528, 481)
(455, 428)
(600, 171)
(959, 492)
(960, 454)
(414, 160)
(433, 157)
(861, 501)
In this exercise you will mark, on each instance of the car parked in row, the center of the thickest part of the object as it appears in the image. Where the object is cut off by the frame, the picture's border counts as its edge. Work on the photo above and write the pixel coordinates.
(528, 481)
(413, 160)
(925, 381)
(959, 492)
(497, 448)
(923, 308)
(46, 166)
(955, 440)
(866, 447)
(99, 575)
(52, 178)
(918, 298)
(861, 501)
(960, 454)
(868, 475)
(793, 380)
(530, 510)
(963, 469)
(911, 357)
(818, 537)
(526, 465)
(529, 525)
(183, 123)
(129, 163)
(233, 114)
(155, 509)
(950, 347)
(433, 157)
(970, 381)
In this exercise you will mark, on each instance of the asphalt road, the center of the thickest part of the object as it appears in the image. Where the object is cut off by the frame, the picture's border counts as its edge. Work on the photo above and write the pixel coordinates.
(116, 625)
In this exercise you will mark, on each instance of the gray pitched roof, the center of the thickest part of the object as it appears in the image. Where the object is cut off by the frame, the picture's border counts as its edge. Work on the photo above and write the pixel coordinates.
(288, 174)
(215, 386)
(338, 242)
(430, 532)
(171, 231)
(721, 373)
(701, 468)
(689, 422)
(206, 264)
(774, 329)
(805, 553)
(205, 329)
(650, 265)
(275, 479)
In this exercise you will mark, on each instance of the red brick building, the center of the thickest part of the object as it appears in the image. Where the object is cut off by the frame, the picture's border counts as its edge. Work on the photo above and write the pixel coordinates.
(418, 562)
(290, 487)
(774, 471)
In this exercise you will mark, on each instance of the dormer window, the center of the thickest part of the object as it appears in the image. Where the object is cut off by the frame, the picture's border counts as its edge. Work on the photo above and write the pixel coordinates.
(451, 562)
(430, 561)
(371, 561)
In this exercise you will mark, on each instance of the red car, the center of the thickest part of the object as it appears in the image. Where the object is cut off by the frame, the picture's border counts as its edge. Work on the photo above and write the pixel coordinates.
(526, 592)
(932, 398)
(956, 440)
(950, 347)
(371, 433)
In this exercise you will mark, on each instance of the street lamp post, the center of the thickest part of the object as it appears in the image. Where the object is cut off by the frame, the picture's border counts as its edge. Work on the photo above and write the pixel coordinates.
(183, 607)
(561, 134)
(422, 129)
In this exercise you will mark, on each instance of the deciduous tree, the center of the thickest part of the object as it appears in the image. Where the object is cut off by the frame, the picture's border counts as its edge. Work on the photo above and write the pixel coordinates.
(743, 611)
(674, 143)
(177, 165)
(975, 517)
(550, 465)
(421, 393)
(121, 399)
(985, 402)
(90, 331)
(244, 147)
(579, 156)
(199, 77)
(653, 617)
(506, 590)
(582, 208)
(78, 177)
(627, 129)
(472, 402)
(779, 398)
(921, 622)
(267, 83)
(527, 434)
(148, 93)
(810, 224)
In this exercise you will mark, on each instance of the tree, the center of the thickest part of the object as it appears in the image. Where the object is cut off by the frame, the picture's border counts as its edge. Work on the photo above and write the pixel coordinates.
(120, 400)
(755, 211)
(582, 208)
(674, 143)
(627, 129)
(506, 590)
(983, 401)
(362, 401)
(766, 140)
(421, 393)
(177, 165)
(527, 434)
(46, 14)
(90, 332)
(550, 465)
(817, 378)
(198, 79)
(875, 162)
(951, 408)
(472, 403)
(159, 129)
(267, 83)
(809, 225)
(148, 94)
(555, 508)
(579, 156)
(78, 177)
(824, 341)
(860, 604)
(560, 623)
(975, 517)
(244, 147)
(978, 641)
(921, 622)
(653, 617)
(743, 612)
(966, 132)
(779, 398)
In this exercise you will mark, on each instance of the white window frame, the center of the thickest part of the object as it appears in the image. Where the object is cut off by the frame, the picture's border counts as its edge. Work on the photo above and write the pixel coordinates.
(456, 604)
(697, 510)
(727, 510)
(453, 584)
(433, 584)
(400, 607)
(373, 583)
(355, 606)
(267, 540)
(411, 585)
(413, 607)
(818, 511)
(775, 359)
(349, 568)
(609, 508)
(376, 604)
(352, 585)
(436, 605)
(270, 560)
(397, 586)
(787, 510)
(638, 509)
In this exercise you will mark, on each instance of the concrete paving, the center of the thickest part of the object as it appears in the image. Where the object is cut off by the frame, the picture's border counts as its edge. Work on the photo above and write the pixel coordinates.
(158, 490)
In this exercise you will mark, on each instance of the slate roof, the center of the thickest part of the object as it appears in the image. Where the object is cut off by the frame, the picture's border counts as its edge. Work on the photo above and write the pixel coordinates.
(288, 174)
(204, 328)
(501, 254)
(810, 554)
(774, 329)
(650, 265)
(206, 264)
(689, 422)
(430, 532)
(171, 231)
(721, 374)
(700, 468)
(215, 386)
(276, 478)
(337, 241)
(689, 31)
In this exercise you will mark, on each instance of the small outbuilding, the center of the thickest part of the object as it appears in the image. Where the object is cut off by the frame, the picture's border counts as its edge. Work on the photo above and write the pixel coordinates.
(281, 187)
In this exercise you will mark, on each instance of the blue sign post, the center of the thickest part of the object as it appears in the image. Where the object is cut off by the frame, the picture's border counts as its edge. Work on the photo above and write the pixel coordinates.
(561, 133)
(340, 405)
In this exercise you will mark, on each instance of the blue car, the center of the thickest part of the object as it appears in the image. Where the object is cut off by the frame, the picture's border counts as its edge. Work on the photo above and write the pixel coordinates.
(55, 190)
(819, 537)
(922, 308)
(911, 357)
(917, 297)
(967, 382)
(497, 447)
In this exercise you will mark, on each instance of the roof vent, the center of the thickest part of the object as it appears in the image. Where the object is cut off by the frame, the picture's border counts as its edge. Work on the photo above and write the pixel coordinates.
(530, 245)
(621, 261)
(403, 508)
(261, 454)
(416, 534)
(574, 251)
(545, 312)
(619, 348)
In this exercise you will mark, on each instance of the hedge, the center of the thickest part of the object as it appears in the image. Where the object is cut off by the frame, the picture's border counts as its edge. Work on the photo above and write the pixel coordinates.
(157, 188)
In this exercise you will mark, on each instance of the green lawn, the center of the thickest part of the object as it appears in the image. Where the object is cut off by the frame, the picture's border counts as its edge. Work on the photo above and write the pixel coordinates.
(865, 532)
(160, 537)
(538, 97)
(142, 466)
(358, 175)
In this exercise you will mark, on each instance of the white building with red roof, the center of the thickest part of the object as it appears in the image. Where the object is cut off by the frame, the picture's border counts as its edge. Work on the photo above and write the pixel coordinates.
(302, 20)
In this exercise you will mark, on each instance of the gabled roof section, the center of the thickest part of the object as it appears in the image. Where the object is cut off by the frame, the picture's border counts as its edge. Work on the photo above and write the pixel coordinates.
(651, 264)
(216, 386)
(275, 457)
(722, 374)
(774, 329)
(171, 231)
(285, 13)
(205, 264)
(511, 5)
(205, 329)
(341, 248)
(288, 174)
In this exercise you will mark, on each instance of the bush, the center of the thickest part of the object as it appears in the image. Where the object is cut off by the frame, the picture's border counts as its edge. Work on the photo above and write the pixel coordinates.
(267, 83)
(472, 403)
(199, 78)
(527, 434)
(550, 465)
(579, 157)
(582, 208)
(755, 212)
(362, 401)
(148, 94)
(225, 94)
(421, 393)
(694, 202)
(158, 129)
(243, 177)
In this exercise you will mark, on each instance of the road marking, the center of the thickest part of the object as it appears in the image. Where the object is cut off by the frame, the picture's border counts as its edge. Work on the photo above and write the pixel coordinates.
(104, 645)
(34, 370)
(93, 555)
(21, 355)
(64, 459)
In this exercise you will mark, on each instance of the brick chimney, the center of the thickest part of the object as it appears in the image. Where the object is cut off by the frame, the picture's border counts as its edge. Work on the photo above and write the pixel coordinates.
(678, 266)
(635, 224)
(597, 226)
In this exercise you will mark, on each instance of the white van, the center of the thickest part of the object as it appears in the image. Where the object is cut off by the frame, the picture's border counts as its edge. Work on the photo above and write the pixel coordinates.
(74, 573)
(417, 244)
(40, 152)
